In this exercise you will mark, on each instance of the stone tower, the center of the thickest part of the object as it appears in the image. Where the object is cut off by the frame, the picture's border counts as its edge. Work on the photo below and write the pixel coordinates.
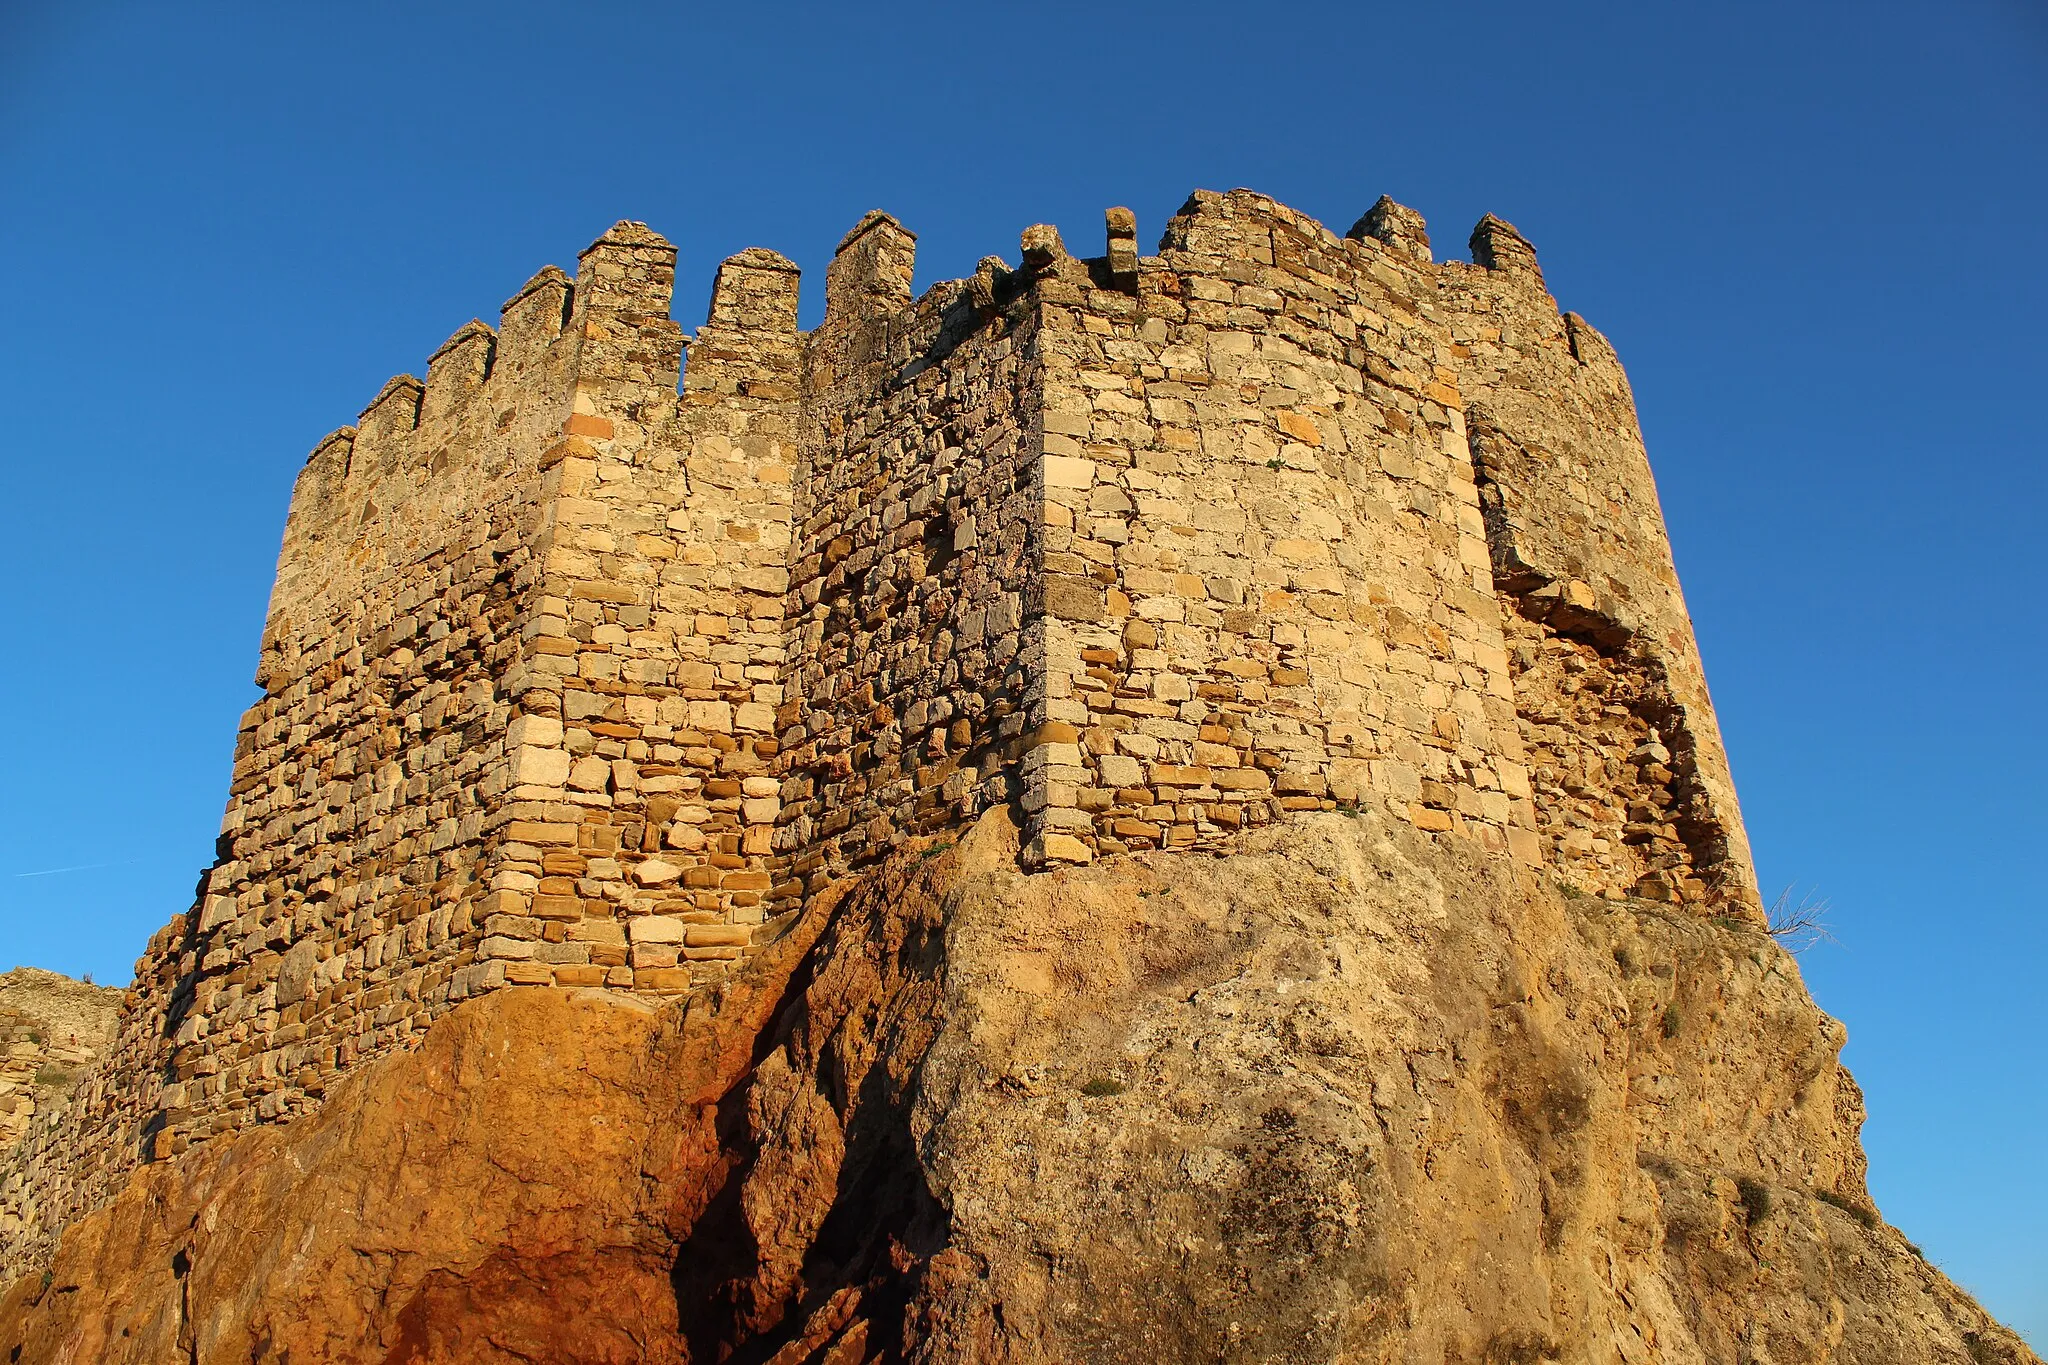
(585, 666)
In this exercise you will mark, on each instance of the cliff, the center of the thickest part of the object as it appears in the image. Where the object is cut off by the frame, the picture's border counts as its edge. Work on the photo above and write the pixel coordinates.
(1349, 1094)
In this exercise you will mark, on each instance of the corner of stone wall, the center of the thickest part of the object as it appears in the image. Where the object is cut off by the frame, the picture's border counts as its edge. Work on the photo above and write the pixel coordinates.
(1590, 597)
(634, 844)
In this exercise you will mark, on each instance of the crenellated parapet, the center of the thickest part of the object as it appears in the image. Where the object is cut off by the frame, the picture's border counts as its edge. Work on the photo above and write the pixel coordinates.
(594, 654)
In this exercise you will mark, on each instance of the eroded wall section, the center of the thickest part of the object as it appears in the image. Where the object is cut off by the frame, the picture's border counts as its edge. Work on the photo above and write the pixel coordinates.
(1630, 774)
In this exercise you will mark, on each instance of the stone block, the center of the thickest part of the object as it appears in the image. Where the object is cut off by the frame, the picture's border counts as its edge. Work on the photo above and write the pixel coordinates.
(1116, 770)
(656, 872)
(535, 731)
(656, 929)
(1066, 471)
(1064, 848)
(596, 930)
(540, 832)
(1073, 599)
(666, 980)
(541, 767)
(589, 774)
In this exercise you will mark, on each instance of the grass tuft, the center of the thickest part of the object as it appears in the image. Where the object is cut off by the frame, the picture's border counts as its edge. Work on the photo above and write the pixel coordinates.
(1755, 1197)
(1862, 1213)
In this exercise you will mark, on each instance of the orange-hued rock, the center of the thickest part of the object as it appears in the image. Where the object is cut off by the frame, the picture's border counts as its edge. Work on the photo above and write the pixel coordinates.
(514, 1189)
(1347, 1095)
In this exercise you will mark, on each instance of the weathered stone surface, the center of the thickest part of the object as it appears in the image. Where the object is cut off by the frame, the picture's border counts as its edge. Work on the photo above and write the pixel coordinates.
(588, 666)
(1352, 1094)
(52, 1029)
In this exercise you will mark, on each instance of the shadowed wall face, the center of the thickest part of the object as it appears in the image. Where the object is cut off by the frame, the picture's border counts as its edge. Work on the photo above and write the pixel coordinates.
(914, 682)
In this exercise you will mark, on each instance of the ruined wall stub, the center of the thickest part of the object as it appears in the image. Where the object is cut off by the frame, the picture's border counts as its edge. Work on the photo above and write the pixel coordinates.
(585, 666)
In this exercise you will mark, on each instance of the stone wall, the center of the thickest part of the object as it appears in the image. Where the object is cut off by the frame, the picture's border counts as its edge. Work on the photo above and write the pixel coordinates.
(637, 832)
(1266, 555)
(523, 655)
(63, 1049)
(353, 847)
(52, 1029)
(1579, 545)
(585, 667)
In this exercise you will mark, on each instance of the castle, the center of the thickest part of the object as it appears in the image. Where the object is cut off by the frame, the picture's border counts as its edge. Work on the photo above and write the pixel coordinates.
(585, 666)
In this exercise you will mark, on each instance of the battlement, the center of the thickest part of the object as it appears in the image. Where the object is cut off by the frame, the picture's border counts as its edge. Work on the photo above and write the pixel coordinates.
(595, 654)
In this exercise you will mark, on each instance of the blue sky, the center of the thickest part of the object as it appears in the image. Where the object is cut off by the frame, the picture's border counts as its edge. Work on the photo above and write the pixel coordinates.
(1814, 230)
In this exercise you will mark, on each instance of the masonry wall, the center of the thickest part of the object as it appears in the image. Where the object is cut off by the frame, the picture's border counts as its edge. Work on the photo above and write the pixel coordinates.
(522, 664)
(337, 911)
(1268, 568)
(352, 846)
(636, 847)
(56, 1039)
(1632, 781)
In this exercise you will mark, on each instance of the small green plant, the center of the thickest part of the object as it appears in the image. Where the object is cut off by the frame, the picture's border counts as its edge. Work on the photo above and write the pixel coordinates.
(934, 851)
(1100, 1086)
(1755, 1197)
(1914, 1247)
(1275, 463)
(1674, 1019)
(53, 1075)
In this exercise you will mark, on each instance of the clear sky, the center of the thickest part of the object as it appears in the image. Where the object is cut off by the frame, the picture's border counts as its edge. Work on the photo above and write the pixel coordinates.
(1814, 230)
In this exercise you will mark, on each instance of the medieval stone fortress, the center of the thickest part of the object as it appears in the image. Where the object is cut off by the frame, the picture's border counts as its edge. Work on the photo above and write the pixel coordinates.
(594, 654)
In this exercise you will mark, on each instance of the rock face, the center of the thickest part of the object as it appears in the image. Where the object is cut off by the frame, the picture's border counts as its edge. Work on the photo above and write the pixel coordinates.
(1346, 1094)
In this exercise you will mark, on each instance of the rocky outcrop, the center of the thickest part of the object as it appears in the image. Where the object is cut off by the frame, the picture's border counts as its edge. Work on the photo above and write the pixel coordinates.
(1343, 1095)
(51, 1029)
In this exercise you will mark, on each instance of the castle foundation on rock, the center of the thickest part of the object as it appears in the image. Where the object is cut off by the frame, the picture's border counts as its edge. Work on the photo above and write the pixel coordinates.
(595, 654)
